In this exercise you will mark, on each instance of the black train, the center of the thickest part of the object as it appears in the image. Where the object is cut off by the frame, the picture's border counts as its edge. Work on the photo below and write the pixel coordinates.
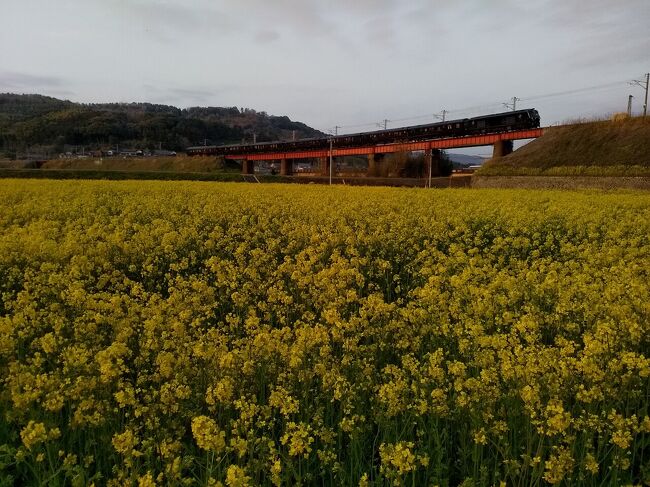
(487, 124)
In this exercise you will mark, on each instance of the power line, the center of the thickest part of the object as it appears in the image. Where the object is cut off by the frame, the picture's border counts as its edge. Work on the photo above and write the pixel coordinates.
(491, 106)
(573, 92)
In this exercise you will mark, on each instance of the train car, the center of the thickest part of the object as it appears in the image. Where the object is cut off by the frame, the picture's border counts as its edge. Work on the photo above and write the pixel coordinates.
(501, 122)
(486, 124)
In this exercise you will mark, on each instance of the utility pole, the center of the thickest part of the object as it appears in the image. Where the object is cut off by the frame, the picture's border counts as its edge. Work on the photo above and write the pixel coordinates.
(645, 103)
(512, 105)
(644, 85)
(385, 123)
(254, 138)
(429, 156)
(442, 116)
(336, 129)
(331, 157)
(629, 105)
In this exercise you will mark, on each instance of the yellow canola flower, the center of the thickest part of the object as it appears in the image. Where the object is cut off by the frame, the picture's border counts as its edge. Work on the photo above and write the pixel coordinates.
(591, 465)
(397, 457)
(221, 393)
(282, 400)
(298, 438)
(125, 442)
(363, 481)
(36, 433)
(146, 480)
(236, 477)
(557, 419)
(287, 325)
(207, 434)
(559, 464)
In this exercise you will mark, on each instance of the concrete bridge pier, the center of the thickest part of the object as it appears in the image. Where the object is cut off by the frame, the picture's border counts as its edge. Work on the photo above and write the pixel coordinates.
(324, 164)
(247, 167)
(502, 148)
(372, 165)
(374, 161)
(286, 167)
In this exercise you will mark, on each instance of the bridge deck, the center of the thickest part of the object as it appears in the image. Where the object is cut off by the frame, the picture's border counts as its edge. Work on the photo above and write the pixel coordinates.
(451, 143)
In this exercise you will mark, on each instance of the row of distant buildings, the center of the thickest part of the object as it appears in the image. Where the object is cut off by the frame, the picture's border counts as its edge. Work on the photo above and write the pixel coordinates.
(117, 153)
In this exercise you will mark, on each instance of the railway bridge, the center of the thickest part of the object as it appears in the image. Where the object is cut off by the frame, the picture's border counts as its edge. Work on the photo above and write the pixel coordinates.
(502, 143)
(499, 130)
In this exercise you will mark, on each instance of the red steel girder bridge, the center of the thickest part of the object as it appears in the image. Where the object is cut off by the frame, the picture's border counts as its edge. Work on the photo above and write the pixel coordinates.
(502, 143)
(450, 143)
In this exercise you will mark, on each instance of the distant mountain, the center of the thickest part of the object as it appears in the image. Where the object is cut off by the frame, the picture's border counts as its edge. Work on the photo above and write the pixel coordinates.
(465, 160)
(45, 125)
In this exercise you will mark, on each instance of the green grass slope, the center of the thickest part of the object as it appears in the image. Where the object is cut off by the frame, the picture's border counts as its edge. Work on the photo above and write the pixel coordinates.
(602, 148)
(174, 164)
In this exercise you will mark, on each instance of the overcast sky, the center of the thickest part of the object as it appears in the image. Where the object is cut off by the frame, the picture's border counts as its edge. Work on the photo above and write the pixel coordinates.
(336, 62)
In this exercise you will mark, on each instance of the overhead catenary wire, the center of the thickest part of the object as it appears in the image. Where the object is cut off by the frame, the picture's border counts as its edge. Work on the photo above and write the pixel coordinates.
(573, 92)
(492, 106)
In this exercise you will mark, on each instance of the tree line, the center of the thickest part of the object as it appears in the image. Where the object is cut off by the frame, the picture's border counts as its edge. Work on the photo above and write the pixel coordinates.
(36, 123)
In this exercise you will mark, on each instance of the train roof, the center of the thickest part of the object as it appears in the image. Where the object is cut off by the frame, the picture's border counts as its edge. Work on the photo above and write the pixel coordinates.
(425, 125)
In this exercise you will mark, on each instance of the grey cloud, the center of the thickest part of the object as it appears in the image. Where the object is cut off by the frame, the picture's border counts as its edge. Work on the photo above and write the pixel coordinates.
(172, 96)
(366, 7)
(164, 20)
(184, 97)
(267, 36)
(380, 31)
(29, 83)
(388, 57)
(24, 80)
(583, 13)
(615, 54)
(198, 95)
(603, 35)
(307, 17)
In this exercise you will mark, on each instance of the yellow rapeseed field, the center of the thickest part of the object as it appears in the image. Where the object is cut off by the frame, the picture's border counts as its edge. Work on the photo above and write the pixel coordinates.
(167, 333)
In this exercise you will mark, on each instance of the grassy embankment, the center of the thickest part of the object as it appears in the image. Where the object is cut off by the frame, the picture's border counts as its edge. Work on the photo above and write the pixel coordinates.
(115, 168)
(600, 148)
(156, 164)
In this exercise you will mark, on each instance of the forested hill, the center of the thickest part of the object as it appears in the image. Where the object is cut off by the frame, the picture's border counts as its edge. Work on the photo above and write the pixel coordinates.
(36, 123)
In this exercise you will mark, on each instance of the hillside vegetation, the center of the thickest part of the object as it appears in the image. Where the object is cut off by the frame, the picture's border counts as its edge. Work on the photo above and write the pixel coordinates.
(602, 148)
(46, 126)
